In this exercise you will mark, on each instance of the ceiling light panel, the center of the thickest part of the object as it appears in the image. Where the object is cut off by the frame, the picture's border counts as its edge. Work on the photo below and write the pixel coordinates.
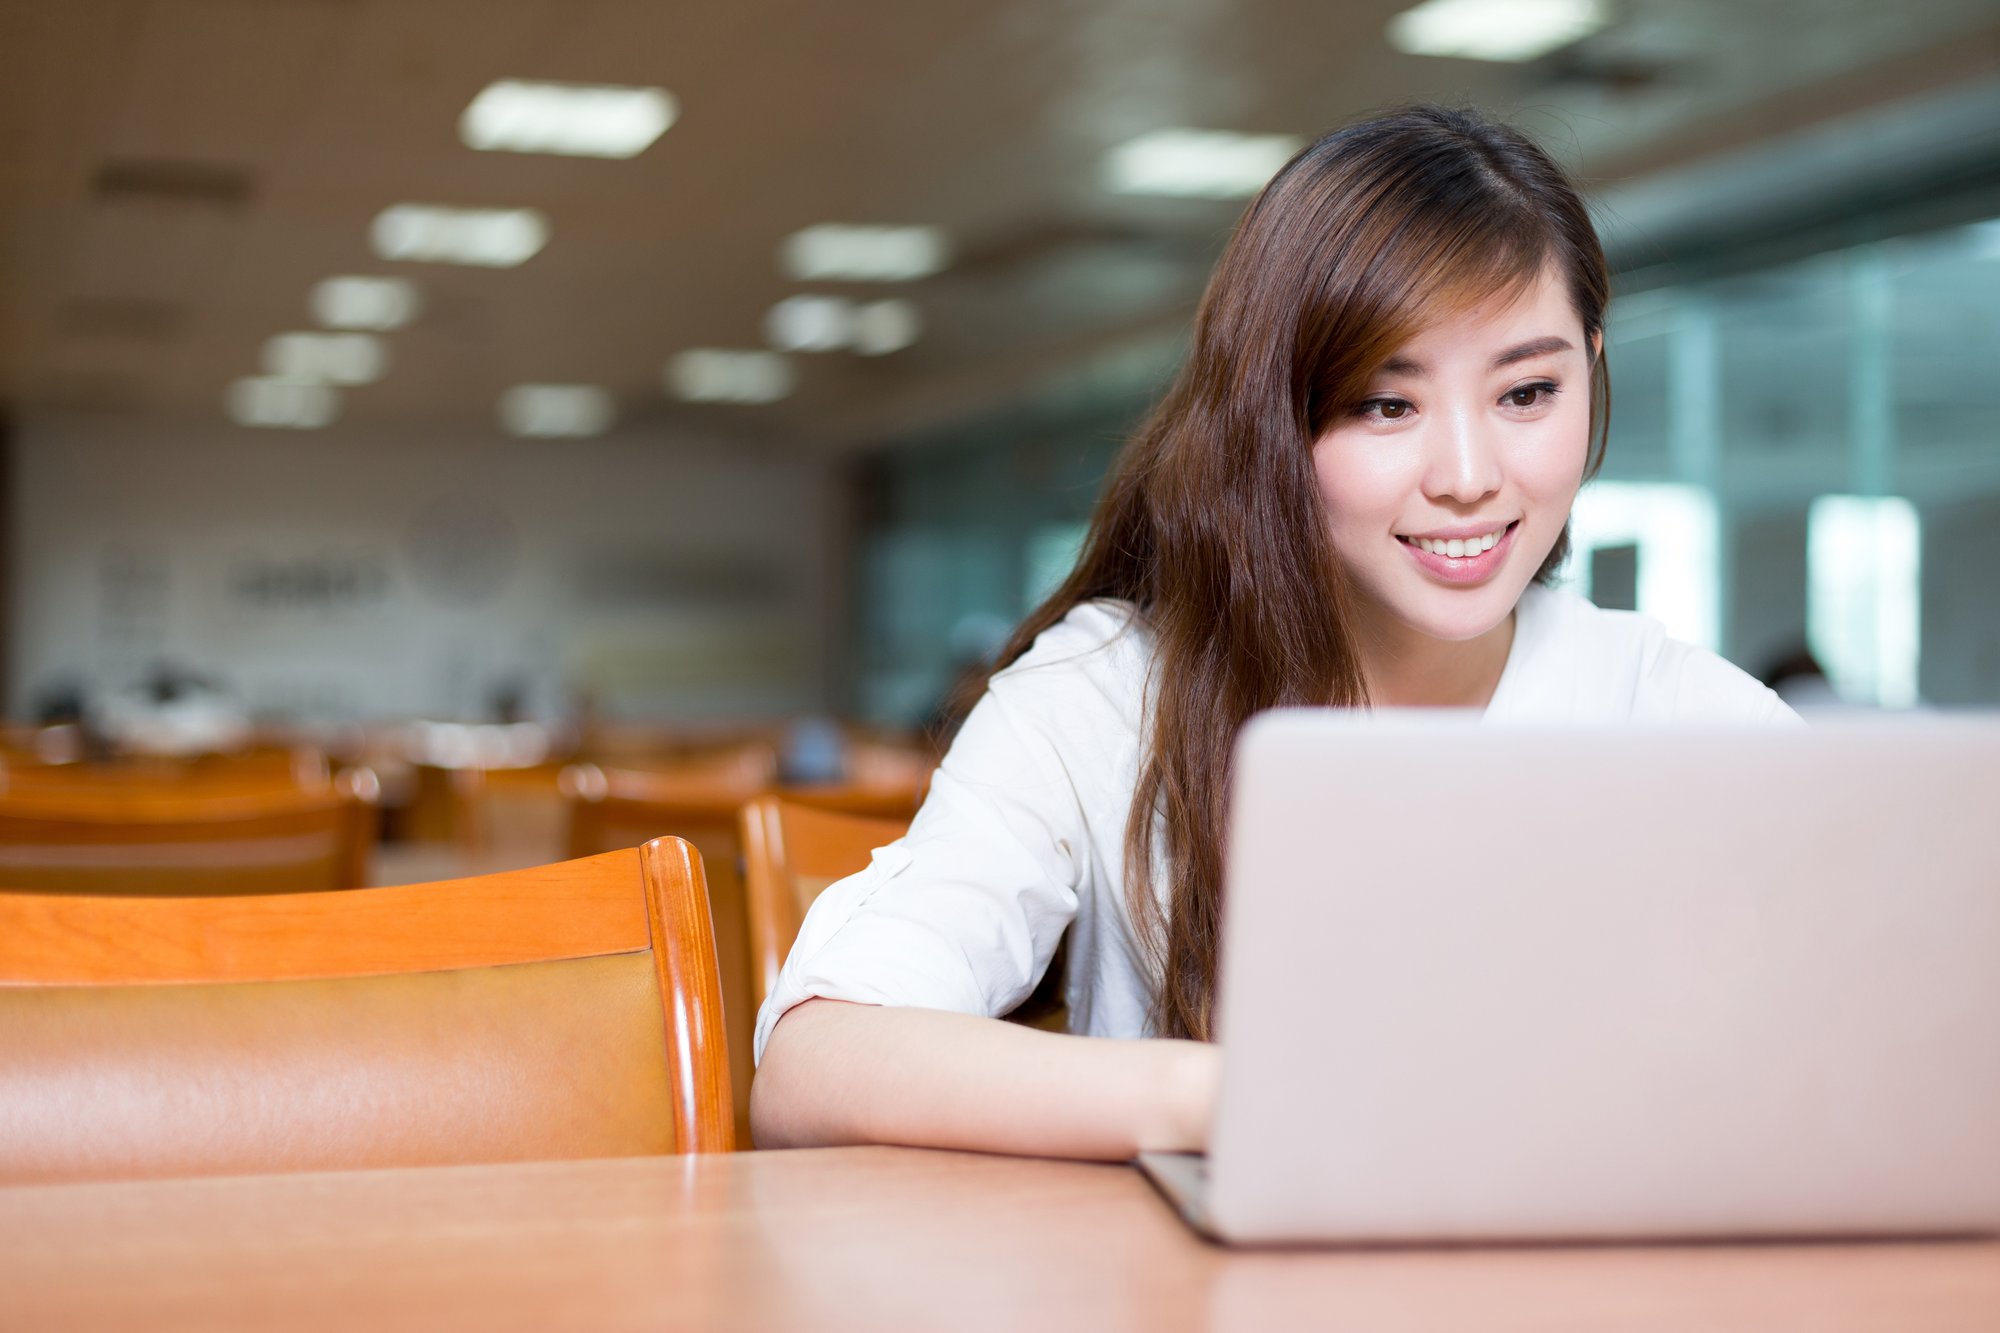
(845, 252)
(834, 324)
(573, 119)
(326, 358)
(722, 375)
(810, 324)
(483, 237)
(549, 411)
(379, 304)
(283, 403)
(882, 327)
(1505, 30)
(1197, 164)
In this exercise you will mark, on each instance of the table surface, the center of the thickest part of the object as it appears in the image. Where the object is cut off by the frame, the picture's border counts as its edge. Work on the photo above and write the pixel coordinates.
(865, 1238)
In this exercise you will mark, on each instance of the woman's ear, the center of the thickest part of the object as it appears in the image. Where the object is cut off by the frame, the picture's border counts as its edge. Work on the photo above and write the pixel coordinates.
(1596, 347)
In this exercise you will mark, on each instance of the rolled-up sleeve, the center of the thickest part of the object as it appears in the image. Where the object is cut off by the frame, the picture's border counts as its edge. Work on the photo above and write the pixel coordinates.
(965, 912)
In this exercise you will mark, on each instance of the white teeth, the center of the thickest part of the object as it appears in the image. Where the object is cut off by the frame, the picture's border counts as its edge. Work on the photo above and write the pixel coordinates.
(1459, 547)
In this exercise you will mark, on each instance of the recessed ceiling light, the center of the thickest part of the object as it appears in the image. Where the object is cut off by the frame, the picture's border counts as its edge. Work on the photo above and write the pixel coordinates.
(839, 251)
(720, 375)
(328, 358)
(1510, 30)
(810, 323)
(365, 303)
(553, 410)
(881, 327)
(486, 237)
(1197, 164)
(834, 323)
(272, 401)
(575, 119)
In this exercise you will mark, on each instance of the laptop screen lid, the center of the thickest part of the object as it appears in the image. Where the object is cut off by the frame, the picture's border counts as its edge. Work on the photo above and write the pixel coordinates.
(1491, 982)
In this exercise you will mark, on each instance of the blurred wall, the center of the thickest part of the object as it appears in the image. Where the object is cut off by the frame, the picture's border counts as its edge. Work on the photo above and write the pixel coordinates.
(341, 575)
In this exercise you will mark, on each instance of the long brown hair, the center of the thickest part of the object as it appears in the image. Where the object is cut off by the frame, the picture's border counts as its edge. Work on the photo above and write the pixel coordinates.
(1211, 526)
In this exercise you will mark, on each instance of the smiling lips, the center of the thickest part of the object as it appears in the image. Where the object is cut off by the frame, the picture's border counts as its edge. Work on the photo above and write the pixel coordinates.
(1467, 554)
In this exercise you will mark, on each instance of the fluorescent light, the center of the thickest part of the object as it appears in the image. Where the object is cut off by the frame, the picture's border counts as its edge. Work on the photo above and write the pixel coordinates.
(718, 375)
(554, 410)
(1511, 30)
(1863, 595)
(272, 401)
(574, 119)
(810, 324)
(830, 323)
(365, 303)
(838, 251)
(327, 358)
(881, 327)
(487, 237)
(1197, 164)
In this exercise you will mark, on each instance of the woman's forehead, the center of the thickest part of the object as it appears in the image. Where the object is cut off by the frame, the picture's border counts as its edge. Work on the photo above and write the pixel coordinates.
(1537, 306)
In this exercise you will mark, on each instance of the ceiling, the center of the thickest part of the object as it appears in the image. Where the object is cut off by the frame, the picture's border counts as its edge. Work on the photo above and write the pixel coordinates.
(175, 175)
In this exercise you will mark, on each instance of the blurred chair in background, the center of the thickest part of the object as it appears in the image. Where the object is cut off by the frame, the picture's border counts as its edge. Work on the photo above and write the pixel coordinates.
(268, 767)
(569, 1011)
(791, 852)
(878, 776)
(696, 799)
(128, 833)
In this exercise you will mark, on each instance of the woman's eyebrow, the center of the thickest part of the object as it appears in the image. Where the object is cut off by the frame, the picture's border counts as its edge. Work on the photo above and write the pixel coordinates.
(1533, 348)
(1411, 368)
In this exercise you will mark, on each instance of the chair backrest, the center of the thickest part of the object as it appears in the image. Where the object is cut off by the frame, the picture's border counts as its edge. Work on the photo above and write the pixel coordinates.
(507, 818)
(568, 1011)
(791, 852)
(302, 767)
(127, 836)
(699, 802)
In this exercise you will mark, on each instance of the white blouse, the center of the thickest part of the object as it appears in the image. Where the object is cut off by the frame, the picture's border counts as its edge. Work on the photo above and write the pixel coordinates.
(1023, 833)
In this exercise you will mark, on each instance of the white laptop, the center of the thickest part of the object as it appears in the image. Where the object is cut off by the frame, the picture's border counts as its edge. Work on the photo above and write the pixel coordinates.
(1482, 982)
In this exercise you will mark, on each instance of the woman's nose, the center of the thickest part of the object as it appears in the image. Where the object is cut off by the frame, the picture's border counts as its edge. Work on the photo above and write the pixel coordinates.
(1464, 462)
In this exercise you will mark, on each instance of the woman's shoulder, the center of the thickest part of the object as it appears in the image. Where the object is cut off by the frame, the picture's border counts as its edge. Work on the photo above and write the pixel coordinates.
(1585, 662)
(1097, 657)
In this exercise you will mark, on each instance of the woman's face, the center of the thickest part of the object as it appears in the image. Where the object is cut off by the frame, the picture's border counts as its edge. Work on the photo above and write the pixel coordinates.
(1447, 486)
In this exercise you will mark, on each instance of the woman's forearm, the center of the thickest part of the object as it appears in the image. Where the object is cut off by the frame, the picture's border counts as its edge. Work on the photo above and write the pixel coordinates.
(838, 1073)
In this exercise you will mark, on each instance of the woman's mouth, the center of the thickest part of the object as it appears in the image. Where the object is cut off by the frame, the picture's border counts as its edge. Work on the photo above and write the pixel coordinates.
(1468, 559)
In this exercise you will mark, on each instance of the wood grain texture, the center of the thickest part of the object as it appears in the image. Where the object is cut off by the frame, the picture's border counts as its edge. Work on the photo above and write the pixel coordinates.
(573, 909)
(697, 1039)
(92, 976)
(697, 801)
(875, 1239)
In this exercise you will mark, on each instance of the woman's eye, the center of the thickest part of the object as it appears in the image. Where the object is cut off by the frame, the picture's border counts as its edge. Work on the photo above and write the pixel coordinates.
(1385, 409)
(1531, 395)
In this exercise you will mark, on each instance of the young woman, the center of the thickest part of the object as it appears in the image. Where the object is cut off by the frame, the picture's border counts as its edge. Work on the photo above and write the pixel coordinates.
(1355, 494)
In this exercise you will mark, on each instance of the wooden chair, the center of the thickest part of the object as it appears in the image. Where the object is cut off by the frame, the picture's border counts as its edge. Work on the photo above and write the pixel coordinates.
(507, 818)
(568, 1011)
(163, 839)
(698, 801)
(300, 767)
(791, 852)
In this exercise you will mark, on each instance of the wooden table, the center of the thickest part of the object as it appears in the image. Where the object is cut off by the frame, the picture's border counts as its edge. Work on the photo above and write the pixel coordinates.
(864, 1238)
